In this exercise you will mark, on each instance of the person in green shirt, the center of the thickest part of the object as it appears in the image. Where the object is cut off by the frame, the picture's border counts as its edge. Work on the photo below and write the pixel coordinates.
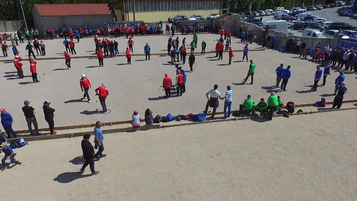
(195, 39)
(272, 104)
(280, 105)
(192, 45)
(227, 43)
(261, 107)
(247, 106)
(251, 72)
(16, 39)
(203, 46)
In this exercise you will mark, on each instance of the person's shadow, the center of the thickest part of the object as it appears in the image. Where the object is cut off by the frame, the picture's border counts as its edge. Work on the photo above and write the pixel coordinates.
(68, 177)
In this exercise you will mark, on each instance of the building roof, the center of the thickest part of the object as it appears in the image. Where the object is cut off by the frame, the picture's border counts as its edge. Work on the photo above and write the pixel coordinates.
(72, 9)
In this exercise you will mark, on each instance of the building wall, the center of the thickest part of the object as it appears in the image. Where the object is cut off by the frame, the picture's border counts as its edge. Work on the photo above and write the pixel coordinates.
(11, 26)
(163, 16)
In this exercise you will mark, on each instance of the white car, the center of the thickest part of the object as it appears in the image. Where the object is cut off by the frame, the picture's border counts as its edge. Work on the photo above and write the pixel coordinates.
(196, 17)
(269, 12)
(279, 14)
(326, 24)
(350, 33)
(286, 11)
(330, 33)
(318, 20)
(213, 16)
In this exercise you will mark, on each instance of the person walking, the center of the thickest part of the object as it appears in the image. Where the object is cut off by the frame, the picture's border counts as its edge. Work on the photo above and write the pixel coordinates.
(9, 154)
(147, 51)
(29, 113)
(4, 48)
(99, 53)
(130, 44)
(49, 115)
(231, 55)
(213, 101)
(272, 104)
(179, 82)
(286, 74)
(98, 140)
(220, 51)
(195, 39)
(279, 74)
(243, 36)
(317, 78)
(30, 50)
(67, 59)
(203, 46)
(128, 56)
(245, 53)
(6, 121)
(167, 84)
(102, 93)
(228, 101)
(88, 154)
(192, 45)
(72, 46)
(37, 47)
(33, 67)
(65, 43)
(251, 72)
(339, 93)
(18, 64)
(85, 85)
(191, 61)
(43, 50)
(326, 72)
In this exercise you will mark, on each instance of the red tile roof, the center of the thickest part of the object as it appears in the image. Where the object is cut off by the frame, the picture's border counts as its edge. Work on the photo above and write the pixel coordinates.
(72, 9)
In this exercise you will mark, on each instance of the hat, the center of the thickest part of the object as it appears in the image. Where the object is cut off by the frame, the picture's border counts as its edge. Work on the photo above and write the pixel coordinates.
(135, 112)
(4, 144)
(262, 100)
(47, 102)
(16, 56)
(166, 74)
(83, 75)
(248, 96)
(2, 110)
(26, 102)
(272, 93)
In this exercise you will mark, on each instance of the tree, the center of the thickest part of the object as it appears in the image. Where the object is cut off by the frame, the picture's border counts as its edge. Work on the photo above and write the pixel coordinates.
(249, 3)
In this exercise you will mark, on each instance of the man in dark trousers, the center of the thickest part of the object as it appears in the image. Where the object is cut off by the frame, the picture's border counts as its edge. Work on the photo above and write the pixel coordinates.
(213, 101)
(30, 117)
(286, 74)
(67, 59)
(251, 72)
(147, 51)
(102, 93)
(88, 154)
(85, 85)
(317, 78)
(191, 61)
(48, 111)
(339, 92)
(272, 104)
(167, 84)
(30, 50)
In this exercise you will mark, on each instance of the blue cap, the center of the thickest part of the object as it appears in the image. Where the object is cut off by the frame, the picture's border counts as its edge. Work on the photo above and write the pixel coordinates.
(47, 102)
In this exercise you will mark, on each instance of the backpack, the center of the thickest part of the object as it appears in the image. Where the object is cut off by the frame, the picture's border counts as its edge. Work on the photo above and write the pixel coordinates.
(183, 117)
(323, 102)
(164, 119)
(157, 119)
(170, 117)
(18, 143)
(290, 106)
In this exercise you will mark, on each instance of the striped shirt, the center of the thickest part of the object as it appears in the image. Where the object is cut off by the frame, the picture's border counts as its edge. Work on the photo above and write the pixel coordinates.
(228, 96)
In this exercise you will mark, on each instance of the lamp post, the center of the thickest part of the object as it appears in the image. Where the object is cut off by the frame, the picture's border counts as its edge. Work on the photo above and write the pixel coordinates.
(133, 9)
(23, 14)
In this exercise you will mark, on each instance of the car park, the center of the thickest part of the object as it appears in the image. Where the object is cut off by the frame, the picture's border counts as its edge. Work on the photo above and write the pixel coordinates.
(213, 16)
(196, 17)
(312, 8)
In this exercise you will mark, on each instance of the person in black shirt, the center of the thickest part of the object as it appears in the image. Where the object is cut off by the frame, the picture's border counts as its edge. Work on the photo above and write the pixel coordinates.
(191, 61)
(48, 112)
(88, 154)
(30, 117)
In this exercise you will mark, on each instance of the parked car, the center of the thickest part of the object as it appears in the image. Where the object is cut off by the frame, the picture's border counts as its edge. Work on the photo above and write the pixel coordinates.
(301, 16)
(196, 17)
(353, 16)
(304, 9)
(341, 25)
(313, 33)
(269, 12)
(340, 3)
(319, 20)
(213, 16)
(248, 13)
(179, 17)
(288, 18)
(319, 7)
(350, 33)
(311, 8)
(279, 14)
(346, 12)
(256, 14)
(261, 12)
(257, 21)
(330, 33)
(326, 24)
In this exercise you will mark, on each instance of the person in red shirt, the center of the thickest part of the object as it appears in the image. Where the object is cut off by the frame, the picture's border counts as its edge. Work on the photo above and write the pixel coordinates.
(70, 34)
(129, 56)
(4, 48)
(132, 32)
(217, 48)
(130, 44)
(67, 59)
(95, 40)
(16, 60)
(102, 93)
(231, 55)
(226, 31)
(167, 84)
(220, 50)
(85, 85)
(179, 82)
(99, 53)
(18, 64)
(33, 65)
(222, 32)
(72, 46)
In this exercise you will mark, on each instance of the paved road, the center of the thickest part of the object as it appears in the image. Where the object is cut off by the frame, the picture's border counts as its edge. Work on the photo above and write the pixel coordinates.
(332, 16)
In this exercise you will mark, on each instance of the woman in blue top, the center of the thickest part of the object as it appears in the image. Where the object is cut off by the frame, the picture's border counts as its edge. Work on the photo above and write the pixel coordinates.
(9, 154)
(6, 121)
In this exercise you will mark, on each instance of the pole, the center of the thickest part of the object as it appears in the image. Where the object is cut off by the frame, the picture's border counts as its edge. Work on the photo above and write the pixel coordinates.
(23, 14)
(133, 9)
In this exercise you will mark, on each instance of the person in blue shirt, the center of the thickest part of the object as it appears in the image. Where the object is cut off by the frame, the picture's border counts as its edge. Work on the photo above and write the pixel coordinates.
(245, 53)
(279, 74)
(317, 78)
(147, 51)
(339, 92)
(67, 47)
(308, 52)
(77, 34)
(326, 72)
(273, 40)
(9, 154)
(6, 121)
(243, 34)
(340, 79)
(98, 140)
(228, 101)
(286, 74)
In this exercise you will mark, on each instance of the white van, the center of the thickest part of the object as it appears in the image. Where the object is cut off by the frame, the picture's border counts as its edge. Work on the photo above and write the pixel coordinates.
(315, 33)
(278, 25)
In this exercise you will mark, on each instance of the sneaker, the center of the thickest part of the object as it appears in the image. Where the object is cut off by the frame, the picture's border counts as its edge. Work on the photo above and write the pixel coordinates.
(89, 101)
(18, 162)
(54, 133)
(103, 155)
(81, 171)
(95, 173)
(4, 168)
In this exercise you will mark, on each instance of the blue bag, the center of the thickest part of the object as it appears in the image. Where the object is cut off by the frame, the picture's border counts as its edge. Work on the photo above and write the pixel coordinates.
(170, 117)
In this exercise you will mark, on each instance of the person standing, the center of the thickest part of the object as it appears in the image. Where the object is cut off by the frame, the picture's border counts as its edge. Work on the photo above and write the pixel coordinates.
(130, 44)
(33, 66)
(213, 101)
(272, 104)
(18, 65)
(42, 46)
(147, 51)
(128, 56)
(192, 45)
(231, 55)
(339, 93)
(88, 154)
(85, 85)
(195, 39)
(326, 72)
(30, 50)
(9, 154)
(220, 50)
(4, 48)
(243, 36)
(67, 59)
(251, 72)
(72, 46)
(179, 83)
(203, 46)
(65, 43)
(286, 74)
(317, 78)
(49, 114)
(340, 79)
(37, 47)
(99, 53)
(6, 121)
(217, 48)
(167, 84)
(102, 93)
(245, 53)
(183, 53)
(279, 74)
(30, 117)
(98, 140)
(228, 101)
(191, 61)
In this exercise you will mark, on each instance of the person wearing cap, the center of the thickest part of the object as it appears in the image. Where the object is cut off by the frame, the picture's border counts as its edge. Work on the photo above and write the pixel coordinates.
(251, 72)
(33, 64)
(102, 93)
(6, 121)
(261, 107)
(167, 84)
(272, 104)
(30, 117)
(88, 154)
(49, 114)
(339, 93)
(9, 154)
(247, 106)
(135, 119)
(85, 85)
(67, 59)
(317, 78)
(213, 101)
(98, 140)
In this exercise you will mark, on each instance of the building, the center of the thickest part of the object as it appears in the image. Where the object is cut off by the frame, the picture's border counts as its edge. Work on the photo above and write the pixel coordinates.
(54, 16)
(160, 10)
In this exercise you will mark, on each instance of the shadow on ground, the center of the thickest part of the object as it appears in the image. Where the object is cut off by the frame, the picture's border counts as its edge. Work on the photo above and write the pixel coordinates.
(68, 177)
(74, 100)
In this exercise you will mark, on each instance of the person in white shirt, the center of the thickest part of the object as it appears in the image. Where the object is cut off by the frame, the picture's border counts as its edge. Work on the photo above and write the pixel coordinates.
(213, 101)
(298, 45)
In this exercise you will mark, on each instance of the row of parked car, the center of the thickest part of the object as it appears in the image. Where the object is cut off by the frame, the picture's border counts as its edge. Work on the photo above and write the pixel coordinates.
(347, 11)
(194, 17)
